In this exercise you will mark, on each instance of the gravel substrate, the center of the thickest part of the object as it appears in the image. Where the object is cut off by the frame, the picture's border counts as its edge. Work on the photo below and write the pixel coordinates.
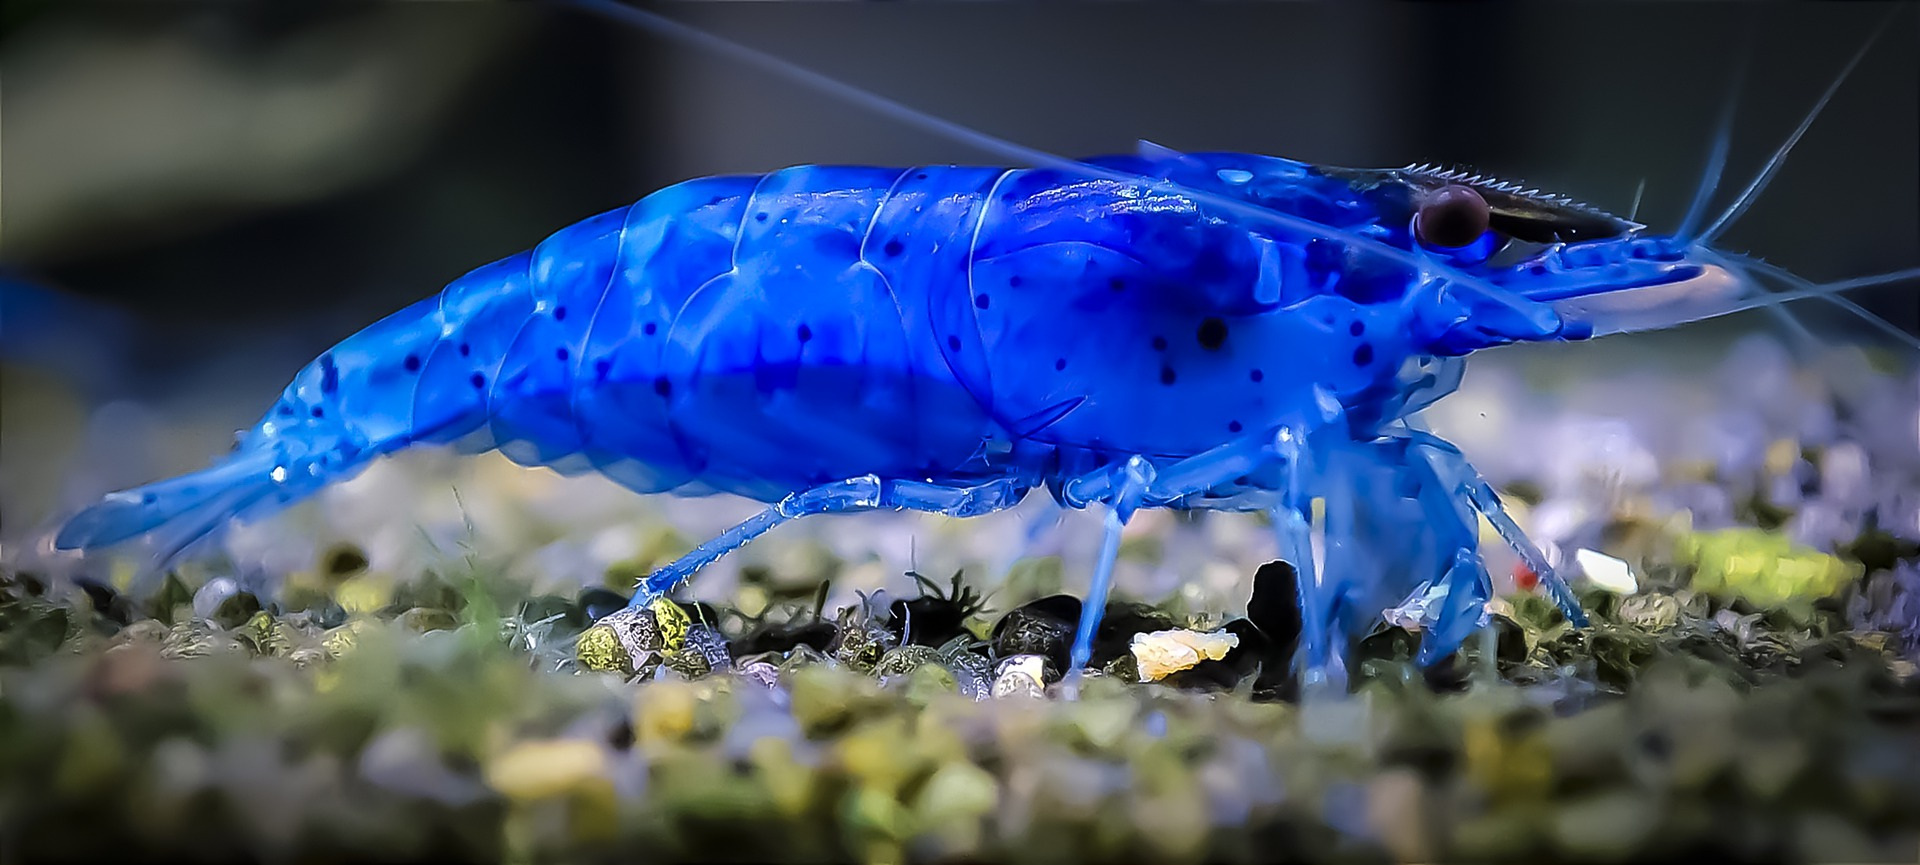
(347, 683)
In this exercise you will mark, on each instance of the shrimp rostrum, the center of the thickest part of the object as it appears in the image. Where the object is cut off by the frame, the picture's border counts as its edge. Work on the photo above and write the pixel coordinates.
(1217, 331)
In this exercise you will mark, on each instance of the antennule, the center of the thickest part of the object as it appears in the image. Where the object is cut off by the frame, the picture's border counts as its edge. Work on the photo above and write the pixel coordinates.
(1779, 157)
(1021, 153)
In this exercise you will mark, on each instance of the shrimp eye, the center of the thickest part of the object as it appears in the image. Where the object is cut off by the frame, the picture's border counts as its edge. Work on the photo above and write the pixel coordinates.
(1452, 216)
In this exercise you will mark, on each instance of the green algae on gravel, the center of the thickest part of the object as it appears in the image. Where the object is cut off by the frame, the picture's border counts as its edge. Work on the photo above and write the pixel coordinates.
(451, 722)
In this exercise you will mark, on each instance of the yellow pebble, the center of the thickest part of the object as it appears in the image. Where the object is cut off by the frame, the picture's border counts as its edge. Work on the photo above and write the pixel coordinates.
(365, 594)
(1511, 767)
(339, 640)
(673, 623)
(1765, 568)
(664, 711)
(534, 770)
(1781, 455)
(958, 790)
(880, 755)
(599, 649)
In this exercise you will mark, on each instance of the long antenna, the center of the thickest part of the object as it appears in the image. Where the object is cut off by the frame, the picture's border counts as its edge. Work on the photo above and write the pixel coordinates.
(1419, 262)
(1779, 158)
(1722, 141)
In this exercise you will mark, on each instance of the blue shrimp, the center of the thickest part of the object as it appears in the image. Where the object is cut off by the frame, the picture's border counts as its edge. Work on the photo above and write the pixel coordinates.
(1218, 331)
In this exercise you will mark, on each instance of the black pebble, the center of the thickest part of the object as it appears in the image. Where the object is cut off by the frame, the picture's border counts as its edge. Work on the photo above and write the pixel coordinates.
(1040, 627)
(109, 603)
(1117, 627)
(1447, 675)
(345, 559)
(599, 602)
(1512, 646)
(1274, 609)
(785, 637)
(701, 612)
(1392, 644)
(1275, 605)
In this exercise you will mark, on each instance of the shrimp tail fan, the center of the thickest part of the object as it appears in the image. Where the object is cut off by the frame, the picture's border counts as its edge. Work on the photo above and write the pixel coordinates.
(180, 511)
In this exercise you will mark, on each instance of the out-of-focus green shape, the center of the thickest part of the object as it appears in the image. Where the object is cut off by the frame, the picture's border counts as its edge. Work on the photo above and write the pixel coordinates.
(1764, 568)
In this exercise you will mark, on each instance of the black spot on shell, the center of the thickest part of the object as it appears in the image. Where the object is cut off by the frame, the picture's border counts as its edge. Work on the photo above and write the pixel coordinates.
(319, 412)
(893, 247)
(286, 411)
(760, 217)
(1233, 426)
(1166, 375)
(1015, 281)
(650, 328)
(561, 354)
(662, 387)
(953, 343)
(466, 350)
(1212, 333)
(601, 367)
(1357, 328)
(1059, 363)
(1116, 284)
(1363, 355)
(412, 363)
(478, 380)
(982, 301)
(559, 313)
(803, 332)
(1159, 343)
(149, 498)
(1256, 375)
(921, 176)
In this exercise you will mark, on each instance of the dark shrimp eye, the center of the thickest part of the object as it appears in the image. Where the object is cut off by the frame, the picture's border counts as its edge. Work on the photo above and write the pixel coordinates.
(1452, 216)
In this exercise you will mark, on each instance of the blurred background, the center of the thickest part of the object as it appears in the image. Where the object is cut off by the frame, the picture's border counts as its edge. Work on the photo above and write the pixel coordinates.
(199, 197)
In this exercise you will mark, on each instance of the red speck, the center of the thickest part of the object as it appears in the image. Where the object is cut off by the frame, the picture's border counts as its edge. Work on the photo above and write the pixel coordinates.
(1524, 578)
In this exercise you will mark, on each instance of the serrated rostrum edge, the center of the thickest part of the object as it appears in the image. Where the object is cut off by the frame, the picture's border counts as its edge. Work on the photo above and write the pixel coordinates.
(1489, 182)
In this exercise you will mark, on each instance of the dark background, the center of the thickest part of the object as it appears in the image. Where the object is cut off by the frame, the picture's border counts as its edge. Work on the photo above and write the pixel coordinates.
(470, 131)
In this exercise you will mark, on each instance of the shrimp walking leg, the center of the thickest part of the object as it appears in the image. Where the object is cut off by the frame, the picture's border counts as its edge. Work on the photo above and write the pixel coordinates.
(1451, 469)
(863, 493)
(1463, 612)
(1128, 485)
(1293, 529)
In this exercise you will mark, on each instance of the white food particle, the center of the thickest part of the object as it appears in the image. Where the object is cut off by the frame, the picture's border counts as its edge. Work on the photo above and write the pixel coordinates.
(1162, 653)
(1418, 609)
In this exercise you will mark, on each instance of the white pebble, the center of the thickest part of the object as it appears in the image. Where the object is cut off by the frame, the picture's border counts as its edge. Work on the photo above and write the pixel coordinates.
(1607, 572)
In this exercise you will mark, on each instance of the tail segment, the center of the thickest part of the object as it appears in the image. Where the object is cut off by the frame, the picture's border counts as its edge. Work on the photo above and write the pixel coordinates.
(415, 376)
(180, 511)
